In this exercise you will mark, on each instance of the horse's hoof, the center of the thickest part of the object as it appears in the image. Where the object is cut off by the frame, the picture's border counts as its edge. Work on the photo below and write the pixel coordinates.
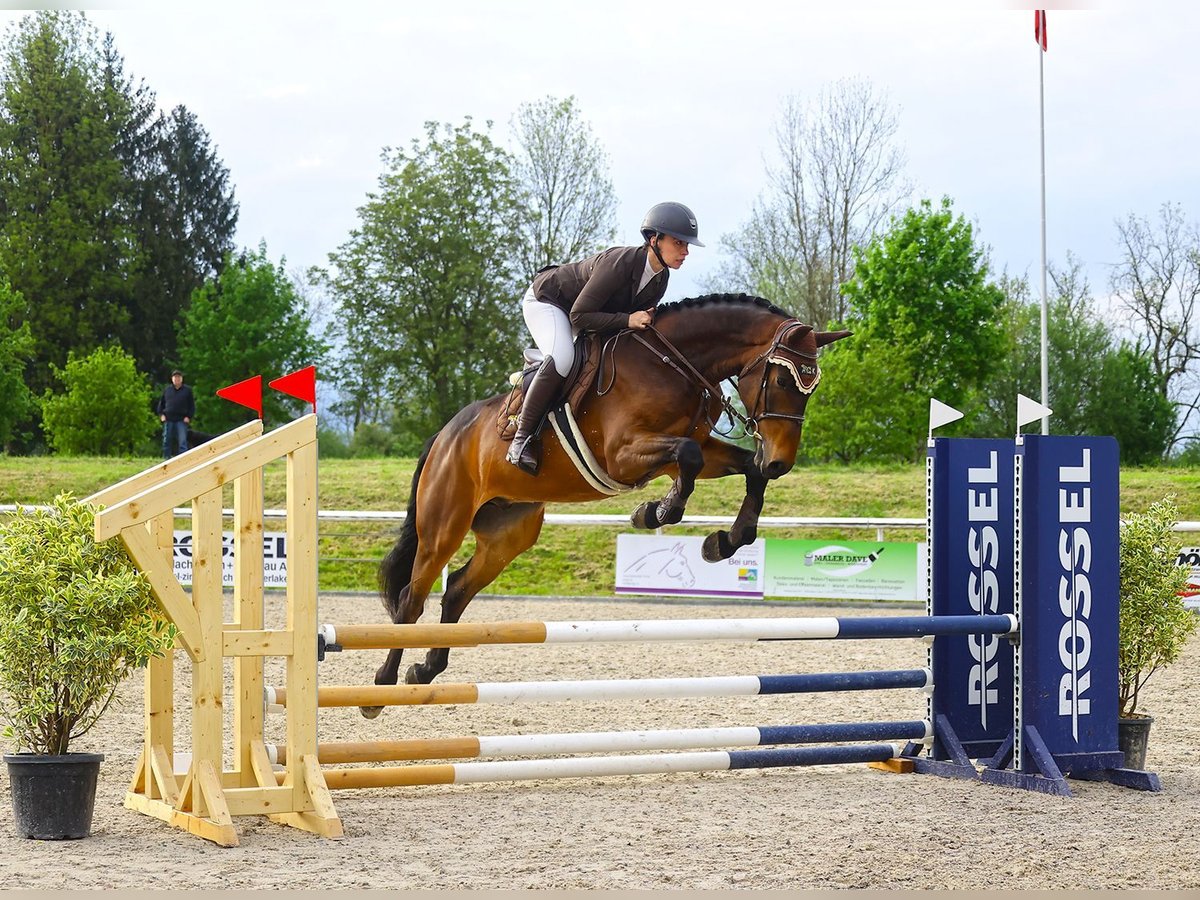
(646, 515)
(370, 712)
(717, 547)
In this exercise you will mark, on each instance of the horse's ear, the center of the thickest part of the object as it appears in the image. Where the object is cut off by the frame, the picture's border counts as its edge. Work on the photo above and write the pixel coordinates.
(828, 337)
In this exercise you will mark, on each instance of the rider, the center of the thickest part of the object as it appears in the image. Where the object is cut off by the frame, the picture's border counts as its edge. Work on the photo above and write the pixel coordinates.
(614, 289)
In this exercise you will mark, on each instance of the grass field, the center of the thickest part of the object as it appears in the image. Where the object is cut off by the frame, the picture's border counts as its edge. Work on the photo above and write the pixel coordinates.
(567, 560)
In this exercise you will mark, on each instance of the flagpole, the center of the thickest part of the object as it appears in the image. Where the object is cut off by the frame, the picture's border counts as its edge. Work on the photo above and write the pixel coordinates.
(1042, 118)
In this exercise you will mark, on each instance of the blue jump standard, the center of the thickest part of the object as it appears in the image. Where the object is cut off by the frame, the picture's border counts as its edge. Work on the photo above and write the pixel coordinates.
(1028, 527)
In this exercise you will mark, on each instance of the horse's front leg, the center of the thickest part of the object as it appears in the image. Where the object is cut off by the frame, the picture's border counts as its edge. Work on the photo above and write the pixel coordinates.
(655, 453)
(721, 459)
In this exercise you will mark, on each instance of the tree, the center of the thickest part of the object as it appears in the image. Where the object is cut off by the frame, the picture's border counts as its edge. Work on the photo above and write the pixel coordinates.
(16, 348)
(838, 178)
(925, 322)
(248, 321)
(563, 171)
(1097, 385)
(427, 295)
(110, 213)
(65, 240)
(104, 408)
(185, 216)
(1157, 284)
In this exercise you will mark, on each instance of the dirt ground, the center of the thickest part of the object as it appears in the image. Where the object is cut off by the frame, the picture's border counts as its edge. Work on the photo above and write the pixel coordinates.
(846, 826)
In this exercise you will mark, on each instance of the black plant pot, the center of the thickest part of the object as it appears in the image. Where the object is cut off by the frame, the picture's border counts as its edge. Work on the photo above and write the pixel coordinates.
(53, 796)
(1132, 737)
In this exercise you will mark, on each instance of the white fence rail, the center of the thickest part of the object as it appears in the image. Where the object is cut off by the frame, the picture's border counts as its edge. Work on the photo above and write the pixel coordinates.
(350, 515)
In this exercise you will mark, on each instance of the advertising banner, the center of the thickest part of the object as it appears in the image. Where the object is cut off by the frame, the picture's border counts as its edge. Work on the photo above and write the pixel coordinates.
(1190, 557)
(672, 565)
(845, 570)
(274, 558)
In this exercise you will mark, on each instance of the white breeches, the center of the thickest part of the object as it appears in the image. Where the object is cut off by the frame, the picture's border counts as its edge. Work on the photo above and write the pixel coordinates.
(551, 331)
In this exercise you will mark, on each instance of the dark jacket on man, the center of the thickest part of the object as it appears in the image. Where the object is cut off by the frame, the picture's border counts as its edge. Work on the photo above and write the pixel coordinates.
(177, 404)
(598, 293)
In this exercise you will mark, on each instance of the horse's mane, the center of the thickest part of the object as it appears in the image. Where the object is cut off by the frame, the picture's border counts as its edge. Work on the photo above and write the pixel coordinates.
(709, 300)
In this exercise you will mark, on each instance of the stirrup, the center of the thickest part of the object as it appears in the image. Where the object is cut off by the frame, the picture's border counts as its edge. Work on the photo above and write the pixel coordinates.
(516, 454)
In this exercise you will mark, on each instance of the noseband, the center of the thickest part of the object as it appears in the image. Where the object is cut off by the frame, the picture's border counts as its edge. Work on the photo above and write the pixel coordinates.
(807, 375)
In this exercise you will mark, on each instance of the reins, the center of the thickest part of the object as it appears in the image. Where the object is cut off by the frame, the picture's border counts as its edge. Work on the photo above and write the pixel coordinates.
(675, 359)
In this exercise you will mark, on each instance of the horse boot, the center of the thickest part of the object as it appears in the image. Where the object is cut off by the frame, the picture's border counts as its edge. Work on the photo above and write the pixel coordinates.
(525, 452)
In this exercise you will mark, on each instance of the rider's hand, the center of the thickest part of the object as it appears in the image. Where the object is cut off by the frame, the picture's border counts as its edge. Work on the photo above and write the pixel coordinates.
(640, 319)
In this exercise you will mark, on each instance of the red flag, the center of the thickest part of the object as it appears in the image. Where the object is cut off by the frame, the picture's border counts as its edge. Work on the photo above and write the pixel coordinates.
(301, 384)
(1039, 27)
(247, 393)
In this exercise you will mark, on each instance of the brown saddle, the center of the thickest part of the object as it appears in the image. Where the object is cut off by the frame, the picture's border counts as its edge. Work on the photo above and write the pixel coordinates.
(582, 377)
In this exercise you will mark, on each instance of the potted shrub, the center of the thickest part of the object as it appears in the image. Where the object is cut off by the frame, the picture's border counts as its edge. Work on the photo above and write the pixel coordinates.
(1154, 624)
(76, 617)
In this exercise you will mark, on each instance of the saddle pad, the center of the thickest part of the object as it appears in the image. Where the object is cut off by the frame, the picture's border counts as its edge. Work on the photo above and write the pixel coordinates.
(581, 455)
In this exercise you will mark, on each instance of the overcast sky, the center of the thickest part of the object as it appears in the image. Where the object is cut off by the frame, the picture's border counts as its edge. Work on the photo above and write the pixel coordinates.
(299, 101)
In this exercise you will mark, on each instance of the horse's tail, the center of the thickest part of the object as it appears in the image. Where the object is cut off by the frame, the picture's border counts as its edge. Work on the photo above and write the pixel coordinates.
(395, 572)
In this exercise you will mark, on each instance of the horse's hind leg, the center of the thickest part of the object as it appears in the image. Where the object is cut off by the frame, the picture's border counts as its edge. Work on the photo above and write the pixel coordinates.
(503, 531)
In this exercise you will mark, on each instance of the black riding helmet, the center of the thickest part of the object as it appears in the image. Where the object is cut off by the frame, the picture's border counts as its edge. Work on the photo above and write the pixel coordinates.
(674, 219)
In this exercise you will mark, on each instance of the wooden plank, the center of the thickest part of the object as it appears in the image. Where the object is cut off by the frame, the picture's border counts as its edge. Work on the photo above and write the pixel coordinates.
(175, 603)
(136, 484)
(160, 671)
(163, 773)
(257, 801)
(208, 677)
(141, 775)
(255, 643)
(248, 619)
(148, 807)
(899, 766)
(207, 476)
(264, 774)
(302, 617)
(324, 814)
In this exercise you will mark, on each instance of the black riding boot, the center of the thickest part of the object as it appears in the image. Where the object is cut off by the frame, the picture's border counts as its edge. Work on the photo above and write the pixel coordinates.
(526, 450)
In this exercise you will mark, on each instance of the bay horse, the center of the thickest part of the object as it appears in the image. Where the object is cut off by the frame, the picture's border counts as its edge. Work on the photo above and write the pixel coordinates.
(656, 415)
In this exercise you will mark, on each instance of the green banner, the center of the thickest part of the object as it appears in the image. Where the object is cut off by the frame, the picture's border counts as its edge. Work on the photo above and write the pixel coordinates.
(844, 570)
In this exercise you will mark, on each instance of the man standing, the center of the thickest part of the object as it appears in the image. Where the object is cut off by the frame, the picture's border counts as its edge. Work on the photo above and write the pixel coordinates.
(176, 408)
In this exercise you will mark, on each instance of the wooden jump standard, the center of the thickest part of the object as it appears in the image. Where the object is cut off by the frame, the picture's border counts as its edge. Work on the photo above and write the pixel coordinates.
(140, 510)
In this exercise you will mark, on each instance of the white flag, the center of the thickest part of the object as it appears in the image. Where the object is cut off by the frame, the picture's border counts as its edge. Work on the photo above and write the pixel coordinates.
(1030, 411)
(940, 414)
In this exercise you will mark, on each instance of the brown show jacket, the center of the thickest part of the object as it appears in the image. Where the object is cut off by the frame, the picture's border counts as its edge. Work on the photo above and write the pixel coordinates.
(597, 293)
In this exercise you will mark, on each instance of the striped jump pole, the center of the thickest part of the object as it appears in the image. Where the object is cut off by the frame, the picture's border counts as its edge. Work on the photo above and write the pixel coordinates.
(466, 634)
(599, 766)
(608, 689)
(334, 753)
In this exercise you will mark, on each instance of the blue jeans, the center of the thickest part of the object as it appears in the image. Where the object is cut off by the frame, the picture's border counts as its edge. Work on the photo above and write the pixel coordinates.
(174, 433)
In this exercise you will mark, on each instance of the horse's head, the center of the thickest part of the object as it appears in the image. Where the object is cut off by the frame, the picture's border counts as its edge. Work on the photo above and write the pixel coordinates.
(775, 387)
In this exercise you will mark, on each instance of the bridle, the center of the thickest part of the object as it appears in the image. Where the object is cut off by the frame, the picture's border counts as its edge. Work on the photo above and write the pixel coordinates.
(806, 375)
